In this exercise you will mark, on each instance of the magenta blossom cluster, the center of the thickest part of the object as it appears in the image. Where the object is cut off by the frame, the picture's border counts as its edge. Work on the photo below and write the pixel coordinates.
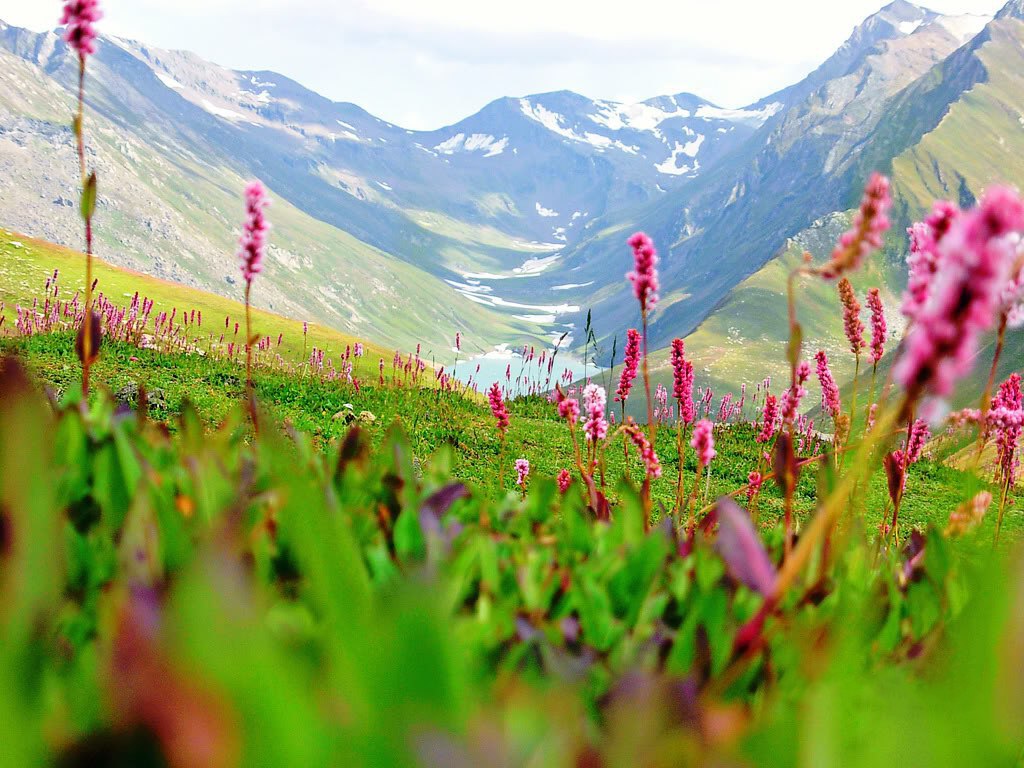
(79, 17)
(568, 407)
(498, 409)
(769, 418)
(1009, 400)
(703, 442)
(852, 325)
(645, 271)
(791, 400)
(630, 365)
(253, 242)
(647, 454)
(829, 389)
(522, 472)
(869, 225)
(754, 482)
(594, 400)
(917, 437)
(975, 260)
(682, 382)
(878, 326)
(922, 263)
(564, 480)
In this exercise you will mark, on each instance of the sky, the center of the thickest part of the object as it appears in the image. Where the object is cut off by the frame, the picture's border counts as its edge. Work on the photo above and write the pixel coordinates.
(424, 64)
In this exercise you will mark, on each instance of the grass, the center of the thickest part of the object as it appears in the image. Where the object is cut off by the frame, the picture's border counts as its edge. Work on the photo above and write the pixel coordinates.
(458, 431)
(26, 263)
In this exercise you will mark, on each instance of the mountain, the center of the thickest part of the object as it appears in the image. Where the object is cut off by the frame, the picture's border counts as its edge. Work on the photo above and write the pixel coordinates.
(956, 130)
(800, 166)
(371, 214)
(510, 225)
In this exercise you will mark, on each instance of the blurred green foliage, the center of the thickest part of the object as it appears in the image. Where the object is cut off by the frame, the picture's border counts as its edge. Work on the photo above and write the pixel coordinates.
(207, 597)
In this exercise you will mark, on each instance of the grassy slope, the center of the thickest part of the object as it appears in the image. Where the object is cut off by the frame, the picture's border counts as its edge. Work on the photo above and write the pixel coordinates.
(24, 270)
(979, 142)
(172, 209)
(460, 429)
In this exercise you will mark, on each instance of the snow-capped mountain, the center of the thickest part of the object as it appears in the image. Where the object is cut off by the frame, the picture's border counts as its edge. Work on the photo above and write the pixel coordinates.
(510, 222)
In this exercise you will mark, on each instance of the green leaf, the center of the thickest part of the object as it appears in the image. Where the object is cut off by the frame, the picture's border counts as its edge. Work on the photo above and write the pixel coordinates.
(89, 197)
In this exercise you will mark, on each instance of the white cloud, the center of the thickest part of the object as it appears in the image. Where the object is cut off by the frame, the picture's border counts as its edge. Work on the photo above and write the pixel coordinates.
(424, 64)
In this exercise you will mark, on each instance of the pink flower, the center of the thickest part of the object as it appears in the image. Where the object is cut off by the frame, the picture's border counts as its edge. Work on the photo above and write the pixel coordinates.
(358, 349)
(769, 417)
(878, 327)
(852, 325)
(645, 271)
(594, 399)
(829, 390)
(630, 365)
(925, 238)
(650, 458)
(1009, 399)
(682, 382)
(458, 342)
(872, 414)
(564, 480)
(754, 481)
(522, 472)
(79, 16)
(703, 442)
(254, 232)
(974, 263)
(869, 225)
(569, 409)
(791, 400)
(498, 408)
(916, 439)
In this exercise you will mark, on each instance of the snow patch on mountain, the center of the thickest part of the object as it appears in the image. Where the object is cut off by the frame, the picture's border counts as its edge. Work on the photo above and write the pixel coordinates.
(637, 117)
(169, 81)
(752, 117)
(909, 27)
(476, 142)
(671, 165)
(225, 114)
(964, 26)
(554, 122)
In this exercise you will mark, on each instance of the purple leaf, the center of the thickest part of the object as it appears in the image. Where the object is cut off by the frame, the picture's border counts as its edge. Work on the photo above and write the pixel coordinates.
(438, 503)
(742, 550)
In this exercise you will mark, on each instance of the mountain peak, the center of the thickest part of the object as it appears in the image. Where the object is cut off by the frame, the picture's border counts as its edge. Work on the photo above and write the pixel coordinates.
(1012, 10)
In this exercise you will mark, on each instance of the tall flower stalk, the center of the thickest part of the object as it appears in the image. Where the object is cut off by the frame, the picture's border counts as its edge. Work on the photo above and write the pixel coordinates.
(79, 16)
(252, 248)
(644, 278)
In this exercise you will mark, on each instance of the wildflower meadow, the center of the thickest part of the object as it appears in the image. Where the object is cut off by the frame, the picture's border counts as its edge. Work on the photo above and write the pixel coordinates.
(223, 546)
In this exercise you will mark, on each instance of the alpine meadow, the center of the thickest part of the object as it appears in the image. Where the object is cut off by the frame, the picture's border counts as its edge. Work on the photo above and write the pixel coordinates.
(579, 433)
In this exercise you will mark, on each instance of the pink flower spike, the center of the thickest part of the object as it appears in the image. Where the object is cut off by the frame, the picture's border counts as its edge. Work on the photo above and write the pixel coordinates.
(644, 276)
(523, 472)
(594, 400)
(852, 325)
(682, 382)
(498, 409)
(650, 458)
(878, 326)
(703, 442)
(922, 262)
(869, 225)
(975, 260)
(79, 17)
(253, 242)
(769, 418)
(829, 389)
(564, 480)
(630, 365)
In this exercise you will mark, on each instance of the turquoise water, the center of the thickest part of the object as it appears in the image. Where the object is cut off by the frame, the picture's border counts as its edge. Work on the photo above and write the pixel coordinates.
(493, 368)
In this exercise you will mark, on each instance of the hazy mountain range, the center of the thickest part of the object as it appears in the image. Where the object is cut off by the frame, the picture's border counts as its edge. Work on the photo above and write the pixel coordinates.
(509, 225)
